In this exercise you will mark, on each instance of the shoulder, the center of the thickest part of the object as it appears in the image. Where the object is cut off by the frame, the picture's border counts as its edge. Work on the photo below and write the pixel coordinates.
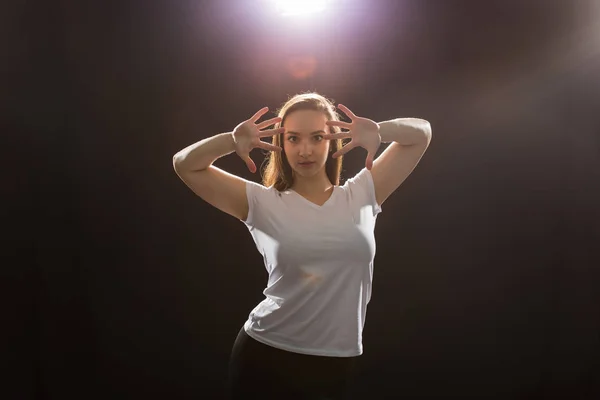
(260, 199)
(257, 190)
(362, 182)
(361, 177)
(360, 190)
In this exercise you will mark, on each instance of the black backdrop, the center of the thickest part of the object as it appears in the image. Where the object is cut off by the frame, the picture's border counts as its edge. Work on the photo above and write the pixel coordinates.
(123, 284)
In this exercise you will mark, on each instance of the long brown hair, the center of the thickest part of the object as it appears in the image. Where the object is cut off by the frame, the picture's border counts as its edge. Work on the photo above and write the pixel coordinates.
(278, 172)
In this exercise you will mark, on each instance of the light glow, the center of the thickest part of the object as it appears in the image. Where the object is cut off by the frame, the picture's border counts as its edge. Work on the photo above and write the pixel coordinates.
(300, 7)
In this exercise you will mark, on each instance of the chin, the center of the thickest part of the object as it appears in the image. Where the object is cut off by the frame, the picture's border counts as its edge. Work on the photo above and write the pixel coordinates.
(309, 172)
(305, 173)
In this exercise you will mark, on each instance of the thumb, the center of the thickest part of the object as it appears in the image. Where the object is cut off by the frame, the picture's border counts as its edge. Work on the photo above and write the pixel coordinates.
(250, 164)
(369, 163)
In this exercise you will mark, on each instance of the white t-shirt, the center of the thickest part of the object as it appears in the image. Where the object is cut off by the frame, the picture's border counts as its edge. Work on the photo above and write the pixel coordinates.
(320, 265)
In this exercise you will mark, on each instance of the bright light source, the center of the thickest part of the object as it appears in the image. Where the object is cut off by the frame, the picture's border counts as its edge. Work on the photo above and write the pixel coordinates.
(300, 7)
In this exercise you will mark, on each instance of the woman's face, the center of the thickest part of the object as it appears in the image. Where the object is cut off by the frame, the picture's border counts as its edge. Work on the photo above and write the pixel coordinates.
(303, 142)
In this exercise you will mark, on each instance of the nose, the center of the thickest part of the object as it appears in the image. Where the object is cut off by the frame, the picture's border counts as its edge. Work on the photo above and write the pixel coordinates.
(305, 149)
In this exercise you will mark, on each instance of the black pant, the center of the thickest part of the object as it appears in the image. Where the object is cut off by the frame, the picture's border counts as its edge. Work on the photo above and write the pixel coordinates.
(260, 371)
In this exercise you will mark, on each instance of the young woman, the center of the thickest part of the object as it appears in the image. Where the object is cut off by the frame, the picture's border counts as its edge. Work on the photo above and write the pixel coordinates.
(316, 238)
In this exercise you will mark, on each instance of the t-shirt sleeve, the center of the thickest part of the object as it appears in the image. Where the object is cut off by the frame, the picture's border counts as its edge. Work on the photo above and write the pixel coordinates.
(361, 190)
(258, 197)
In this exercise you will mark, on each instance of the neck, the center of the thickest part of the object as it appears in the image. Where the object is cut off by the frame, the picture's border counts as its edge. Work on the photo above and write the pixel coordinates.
(315, 185)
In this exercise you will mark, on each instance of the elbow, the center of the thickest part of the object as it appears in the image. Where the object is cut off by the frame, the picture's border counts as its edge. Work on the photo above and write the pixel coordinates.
(183, 164)
(177, 162)
(426, 128)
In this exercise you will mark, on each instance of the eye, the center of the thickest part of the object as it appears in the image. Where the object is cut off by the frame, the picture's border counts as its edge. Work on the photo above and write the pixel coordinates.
(291, 138)
(319, 137)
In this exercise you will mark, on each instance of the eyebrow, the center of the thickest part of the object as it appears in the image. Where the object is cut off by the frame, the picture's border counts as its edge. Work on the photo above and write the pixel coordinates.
(312, 133)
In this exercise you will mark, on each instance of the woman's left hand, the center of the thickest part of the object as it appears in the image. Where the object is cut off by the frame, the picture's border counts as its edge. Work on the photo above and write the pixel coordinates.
(363, 132)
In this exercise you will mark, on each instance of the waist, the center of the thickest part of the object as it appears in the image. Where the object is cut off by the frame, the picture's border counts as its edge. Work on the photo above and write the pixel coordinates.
(314, 339)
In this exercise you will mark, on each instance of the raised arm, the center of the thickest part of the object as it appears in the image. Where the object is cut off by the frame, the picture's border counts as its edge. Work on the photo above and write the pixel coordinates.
(225, 191)
(410, 138)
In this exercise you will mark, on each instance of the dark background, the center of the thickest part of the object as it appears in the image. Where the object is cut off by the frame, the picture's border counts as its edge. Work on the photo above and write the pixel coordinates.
(123, 284)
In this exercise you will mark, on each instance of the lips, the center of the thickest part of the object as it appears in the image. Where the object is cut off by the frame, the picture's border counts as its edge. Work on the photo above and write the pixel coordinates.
(306, 163)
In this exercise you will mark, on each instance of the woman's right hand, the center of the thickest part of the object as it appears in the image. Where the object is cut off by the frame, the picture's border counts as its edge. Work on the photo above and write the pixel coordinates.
(247, 135)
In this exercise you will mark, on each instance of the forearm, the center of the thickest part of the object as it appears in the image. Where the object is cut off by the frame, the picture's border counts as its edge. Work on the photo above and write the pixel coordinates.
(202, 154)
(405, 131)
